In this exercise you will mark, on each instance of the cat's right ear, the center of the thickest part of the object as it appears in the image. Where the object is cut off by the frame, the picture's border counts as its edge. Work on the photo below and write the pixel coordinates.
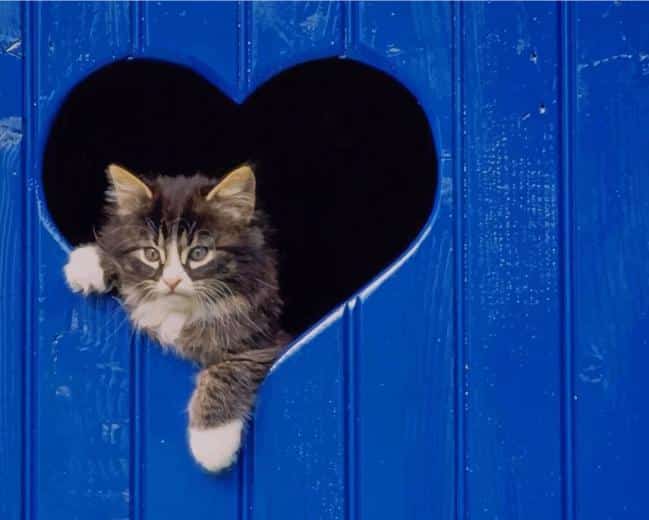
(127, 192)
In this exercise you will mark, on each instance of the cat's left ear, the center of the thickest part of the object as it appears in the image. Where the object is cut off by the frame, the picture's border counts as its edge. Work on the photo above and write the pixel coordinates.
(127, 191)
(235, 194)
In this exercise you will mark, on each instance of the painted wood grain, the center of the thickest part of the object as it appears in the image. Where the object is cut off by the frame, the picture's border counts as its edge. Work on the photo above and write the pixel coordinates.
(172, 485)
(12, 268)
(299, 437)
(282, 34)
(299, 440)
(610, 47)
(513, 323)
(203, 35)
(404, 352)
(81, 374)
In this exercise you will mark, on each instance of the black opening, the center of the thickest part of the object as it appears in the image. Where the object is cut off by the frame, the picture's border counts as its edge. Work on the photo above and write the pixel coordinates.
(345, 162)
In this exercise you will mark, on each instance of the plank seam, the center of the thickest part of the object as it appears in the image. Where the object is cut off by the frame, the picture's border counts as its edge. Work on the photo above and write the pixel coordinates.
(349, 15)
(144, 27)
(136, 505)
(135, 27)
(243, 48)
(351, 342)
(246, 463)
(29, 67)
(460, 265)
(567, 332)
(32, 83)
(247, 473)
(137, 359)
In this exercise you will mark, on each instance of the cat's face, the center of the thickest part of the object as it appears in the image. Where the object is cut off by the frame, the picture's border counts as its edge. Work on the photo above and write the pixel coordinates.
(185, 241)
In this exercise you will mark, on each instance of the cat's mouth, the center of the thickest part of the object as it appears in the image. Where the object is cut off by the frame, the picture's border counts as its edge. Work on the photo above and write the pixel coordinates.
(176, 302)
(181, 295)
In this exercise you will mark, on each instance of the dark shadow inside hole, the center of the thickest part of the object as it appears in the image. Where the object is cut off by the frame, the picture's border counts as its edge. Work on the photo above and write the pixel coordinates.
(345, 162)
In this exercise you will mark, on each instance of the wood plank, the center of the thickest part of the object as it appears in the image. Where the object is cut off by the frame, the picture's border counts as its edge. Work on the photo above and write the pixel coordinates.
(12, 301)
(512, 370)
(297, 467)
(203, 35)
(610, 46)
(81, 377)
(206, 38)
(282, 34)
(404, 434)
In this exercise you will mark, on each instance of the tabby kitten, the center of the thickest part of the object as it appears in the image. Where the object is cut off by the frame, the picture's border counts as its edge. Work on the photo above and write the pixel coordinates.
(190, 260)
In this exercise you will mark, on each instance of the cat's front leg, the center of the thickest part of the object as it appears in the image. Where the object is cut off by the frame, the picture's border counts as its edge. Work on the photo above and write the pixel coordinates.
(84, 272)
(220, 405)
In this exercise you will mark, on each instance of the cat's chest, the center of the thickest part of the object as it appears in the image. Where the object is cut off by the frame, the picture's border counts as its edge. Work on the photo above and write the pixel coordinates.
(164, 322)
(169, 330)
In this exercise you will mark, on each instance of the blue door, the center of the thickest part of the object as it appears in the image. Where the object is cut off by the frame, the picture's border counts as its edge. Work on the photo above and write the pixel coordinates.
(496, 370)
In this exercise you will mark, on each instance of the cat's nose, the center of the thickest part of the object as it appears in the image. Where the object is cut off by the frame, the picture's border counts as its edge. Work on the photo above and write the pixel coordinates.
(171, 283)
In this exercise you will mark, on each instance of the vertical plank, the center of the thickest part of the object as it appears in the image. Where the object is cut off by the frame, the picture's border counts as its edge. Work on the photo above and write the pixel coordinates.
(172, 484)
(404, 368)
(203, 35)
(512, 401)
(206, 38)
(297, 469)
(567, 254)
(282, 34)
(11, 264)
(81, 376)
(459, 260)
(611, 237)
(404, 360)
(411, 41)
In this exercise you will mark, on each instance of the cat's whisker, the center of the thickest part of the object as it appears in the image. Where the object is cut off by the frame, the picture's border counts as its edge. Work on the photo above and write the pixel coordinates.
(266, 284)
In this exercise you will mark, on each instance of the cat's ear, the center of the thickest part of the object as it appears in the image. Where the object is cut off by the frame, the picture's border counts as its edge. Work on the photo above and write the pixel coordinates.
(235, 194)
(127, 191)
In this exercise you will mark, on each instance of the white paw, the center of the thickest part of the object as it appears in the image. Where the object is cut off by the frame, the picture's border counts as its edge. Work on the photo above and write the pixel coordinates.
(83, 271)
(216, 448)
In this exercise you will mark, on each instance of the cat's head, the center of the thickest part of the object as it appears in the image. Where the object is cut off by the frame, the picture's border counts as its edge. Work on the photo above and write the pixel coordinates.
(188, 240)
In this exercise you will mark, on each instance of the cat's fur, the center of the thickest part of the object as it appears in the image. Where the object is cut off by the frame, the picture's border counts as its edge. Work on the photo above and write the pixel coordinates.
(221, 311)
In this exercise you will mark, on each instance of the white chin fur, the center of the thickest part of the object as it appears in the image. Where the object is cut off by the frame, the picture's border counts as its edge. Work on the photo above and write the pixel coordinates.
(216, 448)
(83, 271)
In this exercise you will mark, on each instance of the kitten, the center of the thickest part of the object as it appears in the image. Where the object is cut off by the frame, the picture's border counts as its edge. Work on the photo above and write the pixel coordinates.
(190, 260)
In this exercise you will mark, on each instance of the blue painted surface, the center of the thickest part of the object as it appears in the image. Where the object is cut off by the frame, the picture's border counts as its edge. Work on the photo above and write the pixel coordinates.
(496, 370)
(512, 292)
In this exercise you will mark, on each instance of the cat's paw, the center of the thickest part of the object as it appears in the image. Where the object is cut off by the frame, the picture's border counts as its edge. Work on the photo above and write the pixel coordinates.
(83, 271)
(216, 448)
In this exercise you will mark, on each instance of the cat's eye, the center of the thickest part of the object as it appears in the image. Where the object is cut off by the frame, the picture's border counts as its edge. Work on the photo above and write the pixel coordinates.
(151, 254)
(198, 253)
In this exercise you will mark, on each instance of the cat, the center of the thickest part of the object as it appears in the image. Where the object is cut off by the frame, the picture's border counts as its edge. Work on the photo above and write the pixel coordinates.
(190, 259)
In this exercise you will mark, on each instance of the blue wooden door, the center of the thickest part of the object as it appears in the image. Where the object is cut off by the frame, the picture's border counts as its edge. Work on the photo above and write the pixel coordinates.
(495, 370)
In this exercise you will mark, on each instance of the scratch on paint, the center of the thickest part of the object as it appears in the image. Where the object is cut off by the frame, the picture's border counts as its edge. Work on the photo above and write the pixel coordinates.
(392, 50)
(311, 23)
(11, 131)
(604, 61)
(44, 220)
(522, 45)
(63, 391)
(14, 49)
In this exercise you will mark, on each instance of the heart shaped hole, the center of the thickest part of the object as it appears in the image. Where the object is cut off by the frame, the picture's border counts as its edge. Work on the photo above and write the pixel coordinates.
(346, 162)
